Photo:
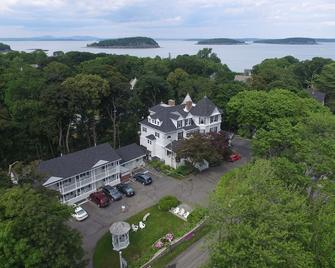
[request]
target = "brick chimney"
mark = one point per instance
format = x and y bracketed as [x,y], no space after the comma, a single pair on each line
[188,106]
[171,102]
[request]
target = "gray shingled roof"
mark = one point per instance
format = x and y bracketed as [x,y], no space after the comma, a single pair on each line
[131,151]
[173,146]
[205,107]
[77,162]
[167,124]
[193,126]
[165,113]
[151,137]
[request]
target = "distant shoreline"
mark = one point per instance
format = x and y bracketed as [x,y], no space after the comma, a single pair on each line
[216,44]
[288,41]
[121,47]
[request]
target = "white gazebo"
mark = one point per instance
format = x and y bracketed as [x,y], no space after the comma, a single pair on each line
[120,235]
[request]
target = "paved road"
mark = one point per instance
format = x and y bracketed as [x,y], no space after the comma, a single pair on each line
[195,256]
[193,190]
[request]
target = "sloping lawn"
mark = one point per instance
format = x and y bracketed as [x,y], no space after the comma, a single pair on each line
[140,249]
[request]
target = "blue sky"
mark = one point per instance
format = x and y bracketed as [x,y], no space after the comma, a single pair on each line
[168,18]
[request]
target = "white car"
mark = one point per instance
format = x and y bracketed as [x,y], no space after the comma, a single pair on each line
[79,214]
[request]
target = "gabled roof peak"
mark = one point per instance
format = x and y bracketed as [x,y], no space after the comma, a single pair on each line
[187,98]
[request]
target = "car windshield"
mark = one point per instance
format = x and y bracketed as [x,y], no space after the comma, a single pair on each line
[128,189]
[80,211]
[114,191]
[145,176]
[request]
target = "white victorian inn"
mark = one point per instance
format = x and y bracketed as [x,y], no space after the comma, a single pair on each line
[169,123]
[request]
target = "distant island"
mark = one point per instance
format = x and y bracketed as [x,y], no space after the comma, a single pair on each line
[4,47]
[220,41]
[289,41]
[325,40]
[128,42]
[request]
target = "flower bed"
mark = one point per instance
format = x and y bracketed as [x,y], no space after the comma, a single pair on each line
[163,241]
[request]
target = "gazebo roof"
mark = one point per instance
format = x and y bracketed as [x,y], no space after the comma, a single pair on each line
[119,228]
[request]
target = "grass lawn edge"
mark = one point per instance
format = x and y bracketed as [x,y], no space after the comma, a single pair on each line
[179,249]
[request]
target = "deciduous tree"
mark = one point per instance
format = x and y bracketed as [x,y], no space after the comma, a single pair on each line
[34,232]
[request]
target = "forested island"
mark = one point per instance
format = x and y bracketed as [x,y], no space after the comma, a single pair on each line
[128,42]
[220,41]
[289,41]
[4,47]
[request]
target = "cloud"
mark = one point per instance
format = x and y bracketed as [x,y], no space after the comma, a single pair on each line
[175,18]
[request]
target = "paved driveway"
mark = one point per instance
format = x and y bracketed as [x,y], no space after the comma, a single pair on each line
[195,256]
[193,190]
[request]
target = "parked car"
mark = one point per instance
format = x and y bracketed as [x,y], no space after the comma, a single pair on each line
[100,199]
[234,157]
[143,178]
[125,189]
[79,214]
[112,192]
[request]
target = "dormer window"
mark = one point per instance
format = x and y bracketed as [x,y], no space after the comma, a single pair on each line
[188,122]
[202,120]
[179,123]
[154,121]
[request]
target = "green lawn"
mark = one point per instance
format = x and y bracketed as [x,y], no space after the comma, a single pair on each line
[140,249]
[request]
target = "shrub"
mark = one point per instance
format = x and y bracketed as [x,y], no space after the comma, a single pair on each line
[185,169]
[168,202]
[197,215]
[178,173]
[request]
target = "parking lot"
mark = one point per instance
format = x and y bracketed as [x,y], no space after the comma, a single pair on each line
[192,190]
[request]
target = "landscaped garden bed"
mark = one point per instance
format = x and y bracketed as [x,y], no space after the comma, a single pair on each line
[178,173]
[142,243]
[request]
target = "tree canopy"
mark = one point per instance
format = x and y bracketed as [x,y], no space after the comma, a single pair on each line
[261,221]
[34,232]
[59,104]
[251,110]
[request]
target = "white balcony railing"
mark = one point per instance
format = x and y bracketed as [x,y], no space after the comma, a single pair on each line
[69,188]
[103,174]
[84,182]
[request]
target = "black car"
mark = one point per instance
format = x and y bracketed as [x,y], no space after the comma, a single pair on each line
[112,192]
[143,178]
[126,189]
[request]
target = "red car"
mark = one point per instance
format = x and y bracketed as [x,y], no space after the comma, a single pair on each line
[100,199]
[234,157]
